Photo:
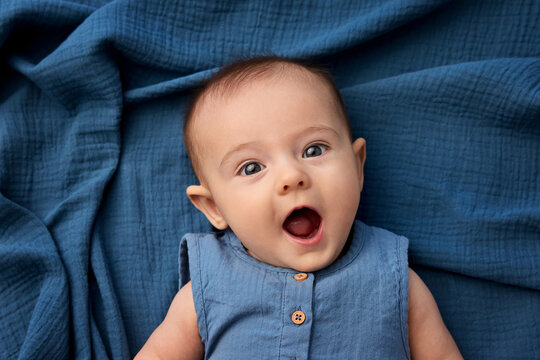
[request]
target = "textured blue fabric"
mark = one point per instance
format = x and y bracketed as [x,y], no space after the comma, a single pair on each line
[356,308]
[93,170]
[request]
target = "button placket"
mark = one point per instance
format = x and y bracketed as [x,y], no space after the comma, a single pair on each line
[297,315]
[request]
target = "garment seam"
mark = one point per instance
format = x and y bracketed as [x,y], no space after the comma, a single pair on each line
[400,294]
[281,316]
[201,287]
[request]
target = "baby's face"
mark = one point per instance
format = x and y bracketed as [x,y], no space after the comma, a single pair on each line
[281,171]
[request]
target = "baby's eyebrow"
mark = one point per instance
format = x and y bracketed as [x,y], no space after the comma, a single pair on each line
[322,129]
[236,149]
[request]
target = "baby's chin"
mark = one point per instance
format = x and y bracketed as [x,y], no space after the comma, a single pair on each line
[310,268]
[306,265]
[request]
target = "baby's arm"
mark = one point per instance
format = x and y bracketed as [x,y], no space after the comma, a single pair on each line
[428,336]
[178,335]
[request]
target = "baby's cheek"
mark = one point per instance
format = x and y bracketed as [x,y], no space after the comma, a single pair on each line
[350,182]
[348,197]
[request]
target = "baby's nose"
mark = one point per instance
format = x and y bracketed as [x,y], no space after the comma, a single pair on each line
[287,187]
[293,179]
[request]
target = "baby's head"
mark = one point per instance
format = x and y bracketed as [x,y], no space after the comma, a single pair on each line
[271,145]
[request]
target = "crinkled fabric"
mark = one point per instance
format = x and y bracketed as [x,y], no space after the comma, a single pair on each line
[93,169]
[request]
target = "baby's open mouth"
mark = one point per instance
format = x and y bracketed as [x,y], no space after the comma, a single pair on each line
[303,223]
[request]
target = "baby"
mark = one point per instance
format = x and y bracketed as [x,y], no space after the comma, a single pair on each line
[292,274]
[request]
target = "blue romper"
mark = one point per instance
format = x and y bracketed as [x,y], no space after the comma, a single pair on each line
[356,308]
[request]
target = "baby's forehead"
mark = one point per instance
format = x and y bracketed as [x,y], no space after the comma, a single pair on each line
[245,103]
[221,94]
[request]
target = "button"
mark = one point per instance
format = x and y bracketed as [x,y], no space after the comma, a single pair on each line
[300,277]
[298,317]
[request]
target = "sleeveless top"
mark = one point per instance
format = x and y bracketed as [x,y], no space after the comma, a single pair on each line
[356,308]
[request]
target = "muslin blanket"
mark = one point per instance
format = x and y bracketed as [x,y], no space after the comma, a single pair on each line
[93,169]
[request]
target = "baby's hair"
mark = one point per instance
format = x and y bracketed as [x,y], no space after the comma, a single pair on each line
[232,77]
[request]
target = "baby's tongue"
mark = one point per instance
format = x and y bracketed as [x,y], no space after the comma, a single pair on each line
[302,222]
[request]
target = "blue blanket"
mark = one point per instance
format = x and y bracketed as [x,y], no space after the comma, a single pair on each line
[93,170]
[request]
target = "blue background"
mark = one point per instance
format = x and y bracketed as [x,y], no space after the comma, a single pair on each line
[93,170]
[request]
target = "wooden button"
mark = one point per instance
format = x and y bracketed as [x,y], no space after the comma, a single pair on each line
[300,277]
[298,317]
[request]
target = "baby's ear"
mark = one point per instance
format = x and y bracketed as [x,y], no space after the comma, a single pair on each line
[202,198]
[359,148]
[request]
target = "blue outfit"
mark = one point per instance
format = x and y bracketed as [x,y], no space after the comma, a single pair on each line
[356,308]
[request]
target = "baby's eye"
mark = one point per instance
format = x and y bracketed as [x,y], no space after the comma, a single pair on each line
[314,150]
[251,168]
